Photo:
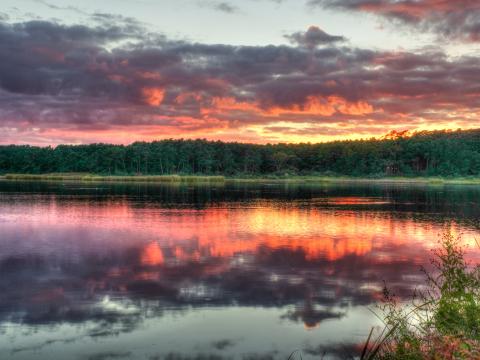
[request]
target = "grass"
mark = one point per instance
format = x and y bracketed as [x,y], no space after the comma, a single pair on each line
[360,180]
[251,180]
[442,321]
[137,178]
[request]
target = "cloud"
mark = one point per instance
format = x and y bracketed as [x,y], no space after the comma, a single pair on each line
[312,317]
[61,83]
[153,277]
[65,8]
[223,344]
[336,351]
[153,96]
[110,355]
[123,273]
[458,19]
[221,6]
[184,268]
[226,7]
[313,37]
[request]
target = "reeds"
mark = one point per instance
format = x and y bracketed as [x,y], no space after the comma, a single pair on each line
[442,322]
[49,177]
[294,179]
[430,181]
[188,179]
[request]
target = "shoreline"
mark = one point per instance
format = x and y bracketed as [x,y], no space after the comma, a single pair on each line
[189,179]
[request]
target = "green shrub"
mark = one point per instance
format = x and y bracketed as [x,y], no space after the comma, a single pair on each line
[442,321]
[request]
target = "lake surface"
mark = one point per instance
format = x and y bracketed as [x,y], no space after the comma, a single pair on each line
[112,271]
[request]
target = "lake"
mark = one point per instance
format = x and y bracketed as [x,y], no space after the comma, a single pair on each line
[146,271]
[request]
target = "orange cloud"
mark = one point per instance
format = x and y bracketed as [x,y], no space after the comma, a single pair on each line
[315,105]
[152,255]
[349,108]
[227,104]
[153,96]
[188,96]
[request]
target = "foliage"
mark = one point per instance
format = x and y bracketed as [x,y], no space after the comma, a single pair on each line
[443,320]
[437,153]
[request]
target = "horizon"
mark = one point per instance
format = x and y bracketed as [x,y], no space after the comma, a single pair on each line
[236,71]
[392,135]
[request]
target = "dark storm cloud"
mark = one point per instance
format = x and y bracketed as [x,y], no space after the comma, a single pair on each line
[45,58]
[459,19]
[313,37]
[116,73]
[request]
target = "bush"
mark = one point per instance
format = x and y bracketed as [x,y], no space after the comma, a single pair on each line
[442,321]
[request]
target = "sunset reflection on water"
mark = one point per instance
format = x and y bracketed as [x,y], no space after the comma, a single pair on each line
[118,265]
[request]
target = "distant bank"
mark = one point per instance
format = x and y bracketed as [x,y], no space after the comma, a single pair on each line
[138,178]
[189,179]
[427,154]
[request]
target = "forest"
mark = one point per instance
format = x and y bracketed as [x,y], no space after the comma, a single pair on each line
[426,153]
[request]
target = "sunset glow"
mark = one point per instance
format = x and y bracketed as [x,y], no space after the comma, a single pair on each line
[103,77]
[318,233]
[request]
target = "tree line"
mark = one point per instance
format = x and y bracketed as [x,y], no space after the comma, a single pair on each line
[426,153]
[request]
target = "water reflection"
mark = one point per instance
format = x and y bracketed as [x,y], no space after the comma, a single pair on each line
[299,265]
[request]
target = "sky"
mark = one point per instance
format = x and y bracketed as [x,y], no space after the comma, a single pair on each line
[261,71]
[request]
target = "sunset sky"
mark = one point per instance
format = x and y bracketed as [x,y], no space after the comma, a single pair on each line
[120,71]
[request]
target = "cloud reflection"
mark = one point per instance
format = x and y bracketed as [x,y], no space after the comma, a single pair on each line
[109,263]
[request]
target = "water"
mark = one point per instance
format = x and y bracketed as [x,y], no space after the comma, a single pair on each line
[111,271]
